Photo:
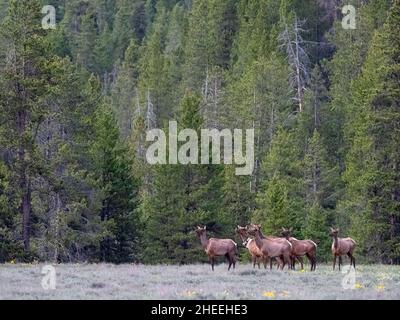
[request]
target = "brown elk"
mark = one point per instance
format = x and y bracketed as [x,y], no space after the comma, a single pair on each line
[217,247]
[271,247]
[341,246]
[250,244]
[301,248]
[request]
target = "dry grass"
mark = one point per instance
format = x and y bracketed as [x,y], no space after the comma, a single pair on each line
[106,281]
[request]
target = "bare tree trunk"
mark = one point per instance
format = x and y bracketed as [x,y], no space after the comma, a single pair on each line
[298,79]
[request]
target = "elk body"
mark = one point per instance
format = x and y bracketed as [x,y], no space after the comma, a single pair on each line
[250,244]
[277,248]
[301,248]
[342,246]
[217,247]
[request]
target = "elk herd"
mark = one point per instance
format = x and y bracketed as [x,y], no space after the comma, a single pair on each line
[285,250]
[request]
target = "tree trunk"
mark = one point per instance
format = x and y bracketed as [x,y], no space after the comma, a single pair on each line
[26,214]
[25,184]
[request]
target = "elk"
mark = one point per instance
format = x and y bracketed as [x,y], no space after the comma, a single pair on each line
[250,244]
[301,248]
[217,247]
[271,247]
[341,246]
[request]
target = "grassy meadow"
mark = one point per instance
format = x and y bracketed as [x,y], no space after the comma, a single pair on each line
[107,281]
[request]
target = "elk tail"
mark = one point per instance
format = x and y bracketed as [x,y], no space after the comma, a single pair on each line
[314,243]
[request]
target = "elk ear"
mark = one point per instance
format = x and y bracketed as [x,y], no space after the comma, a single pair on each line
[205,227]
[337,229]
[291,229]
[283,229]
[332,229]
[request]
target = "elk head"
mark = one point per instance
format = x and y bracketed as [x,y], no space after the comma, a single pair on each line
[200,230]
[286,232]
[334,232]
[252,228]
[242,231]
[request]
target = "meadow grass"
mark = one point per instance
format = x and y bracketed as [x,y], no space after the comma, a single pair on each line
[197,281]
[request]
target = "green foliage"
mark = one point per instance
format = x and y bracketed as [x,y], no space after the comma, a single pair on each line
[372,171]
[117,190]
[76,104]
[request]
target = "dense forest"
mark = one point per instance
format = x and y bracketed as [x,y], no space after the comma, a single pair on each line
[76,103]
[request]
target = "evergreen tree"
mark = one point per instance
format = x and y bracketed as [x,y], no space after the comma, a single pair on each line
[372,173]
[24,91]
[183,196]
[117,191]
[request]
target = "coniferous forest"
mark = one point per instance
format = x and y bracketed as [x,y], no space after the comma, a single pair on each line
[76,103]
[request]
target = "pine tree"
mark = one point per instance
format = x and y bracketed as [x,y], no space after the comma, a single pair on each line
[124,95]
[10,249]
[154,80]
[182,197]
[117,190]
[129,23]
[273,212]
[372,173]
[25,86]
[282,181]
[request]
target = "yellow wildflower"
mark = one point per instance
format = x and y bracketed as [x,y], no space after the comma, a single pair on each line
[269,294]
[358,286]
[189,293]
[380,287]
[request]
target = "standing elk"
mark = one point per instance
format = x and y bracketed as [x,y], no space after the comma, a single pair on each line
[250,244]
[301,248]
[217,247]
[341,246]
[277,248]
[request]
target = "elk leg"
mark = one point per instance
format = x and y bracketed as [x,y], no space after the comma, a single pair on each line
[340,261]
[212,262]
[264,260]
[352,260]
[279,261]
[283,261]
[229,260]
[253,259]
[289,260]
[313,262]
[334,261]
[233,259]
[300,259]
[258,262]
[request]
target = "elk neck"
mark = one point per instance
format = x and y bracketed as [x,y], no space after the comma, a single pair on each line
[258,238]
[335,241]
[242,237]
[204,240]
